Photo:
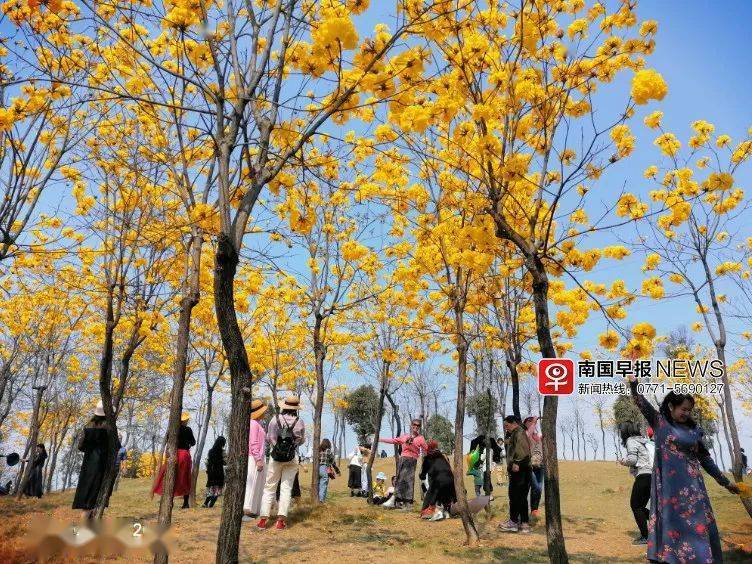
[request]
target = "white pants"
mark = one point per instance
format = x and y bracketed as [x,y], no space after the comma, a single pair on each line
[254,487]
[278,472]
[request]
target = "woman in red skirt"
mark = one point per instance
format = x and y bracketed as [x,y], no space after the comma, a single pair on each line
[183,474]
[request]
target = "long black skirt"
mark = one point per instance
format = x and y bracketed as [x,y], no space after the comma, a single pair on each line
[89,481]
[406,479]
[34,487]
[354,481]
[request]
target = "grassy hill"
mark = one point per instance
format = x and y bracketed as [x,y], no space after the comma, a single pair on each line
[598,525]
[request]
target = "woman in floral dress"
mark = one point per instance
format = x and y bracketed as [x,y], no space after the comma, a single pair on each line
[682,527]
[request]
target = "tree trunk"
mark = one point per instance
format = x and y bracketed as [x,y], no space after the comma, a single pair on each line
[398,430]
[377,428]
[187,303]
[32,443]
[4,378]
[557,552]
[225,266]
[201,442]
[584,444]
[319,351]
[720,346]
[105,392]
[736,454]
[468,524]
[55,450]
[515,387]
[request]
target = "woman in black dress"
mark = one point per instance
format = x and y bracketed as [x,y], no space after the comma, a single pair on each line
[441,493]
[34,485]
[215,472]
[93,443]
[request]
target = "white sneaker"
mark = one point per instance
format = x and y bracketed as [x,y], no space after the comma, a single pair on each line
[437,516]
[524,528]
[509,526]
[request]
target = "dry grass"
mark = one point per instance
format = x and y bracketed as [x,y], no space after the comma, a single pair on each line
[595,500]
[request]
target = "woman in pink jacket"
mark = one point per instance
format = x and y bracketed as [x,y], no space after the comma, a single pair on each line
[254,485]
[412,444]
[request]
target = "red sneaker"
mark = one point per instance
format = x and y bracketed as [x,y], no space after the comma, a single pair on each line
[261,523]
[280,524]
[428,512]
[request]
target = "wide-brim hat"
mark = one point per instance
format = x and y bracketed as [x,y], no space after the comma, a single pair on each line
[291,402]
[381,476]
[185,417]
[258,408]
[99,410]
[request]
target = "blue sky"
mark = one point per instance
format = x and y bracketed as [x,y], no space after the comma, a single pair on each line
[702,52]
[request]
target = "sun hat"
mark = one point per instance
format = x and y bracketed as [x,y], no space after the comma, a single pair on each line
[258,408]
[381,476]
[99,410]
[185,417]
[291,402]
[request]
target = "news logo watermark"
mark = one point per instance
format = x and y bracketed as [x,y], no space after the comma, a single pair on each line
[565,376]
[556,376]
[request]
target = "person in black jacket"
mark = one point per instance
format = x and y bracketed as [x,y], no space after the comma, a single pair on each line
[480,443]
[93,443]
[34,485]
[441,493]
[215,471]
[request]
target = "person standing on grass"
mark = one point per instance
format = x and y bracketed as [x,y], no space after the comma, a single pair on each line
[186,440]
[441,493]
[254,484]
[536,464]
[640,452]
[120,460]
[35,483]
[327,468]
[682,526]
[355,470]
[215,471]
[93,443]
[286,433]
[518,466]
[413,444]
[744,463]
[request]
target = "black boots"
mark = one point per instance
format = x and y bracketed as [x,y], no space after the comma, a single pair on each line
[185,502]
[210,500]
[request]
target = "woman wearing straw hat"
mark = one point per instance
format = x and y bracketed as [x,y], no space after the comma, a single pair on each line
[93,443]
[183,475]
[286,433]
[254,485]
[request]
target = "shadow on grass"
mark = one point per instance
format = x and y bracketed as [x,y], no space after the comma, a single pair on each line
[585,524]
[735,556]
[384,537]
[516,555]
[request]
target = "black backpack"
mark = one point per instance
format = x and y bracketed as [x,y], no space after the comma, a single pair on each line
[284,449]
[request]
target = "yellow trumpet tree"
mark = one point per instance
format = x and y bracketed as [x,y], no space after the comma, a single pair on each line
[41,119]
[690,245]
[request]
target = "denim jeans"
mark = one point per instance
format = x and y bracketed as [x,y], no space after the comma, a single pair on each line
[323,482]
[536,486]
